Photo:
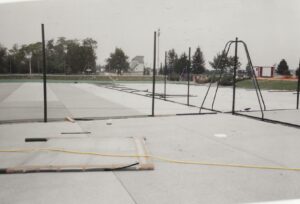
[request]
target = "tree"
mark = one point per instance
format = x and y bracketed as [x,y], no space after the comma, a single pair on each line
[283,68]
[3,60]
[181,64]
[72,56]
[161,71]
[20,60]
[79,57]
[248,70]
[227,62]
[198,63]
[117,62]
[172,60]
[89,47]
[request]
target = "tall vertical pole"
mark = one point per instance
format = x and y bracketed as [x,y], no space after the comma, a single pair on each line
[234,75]
[9,63]
[298,87]
[154,73]
[30,65]
[165,76]
[44,74]
[188,76]
[158,35]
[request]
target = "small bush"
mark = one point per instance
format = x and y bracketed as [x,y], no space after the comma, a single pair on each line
[226,80]
[174,77]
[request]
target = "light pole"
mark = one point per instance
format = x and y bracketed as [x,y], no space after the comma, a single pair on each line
[65,47]
[28,56]
[10,55]
[158,34]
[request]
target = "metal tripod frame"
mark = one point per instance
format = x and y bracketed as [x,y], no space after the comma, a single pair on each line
[222,67]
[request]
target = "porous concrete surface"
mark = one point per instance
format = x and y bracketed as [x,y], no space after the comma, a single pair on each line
[287,116]
[24,101]
[245,98]
[193,138]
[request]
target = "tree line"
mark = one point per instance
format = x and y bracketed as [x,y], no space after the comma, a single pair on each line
[179,64]
[70,56]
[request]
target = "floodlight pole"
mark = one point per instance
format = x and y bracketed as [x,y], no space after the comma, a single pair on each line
[44,74]
[188,76]
[154,72]
[234,75]
[29,66]
[298,87]
[10,64]
[165,76]
[158,35]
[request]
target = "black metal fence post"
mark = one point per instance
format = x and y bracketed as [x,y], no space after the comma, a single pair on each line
[298,87]
[165,76]
[234,75]
[154,73]
[44,74]
[188,76]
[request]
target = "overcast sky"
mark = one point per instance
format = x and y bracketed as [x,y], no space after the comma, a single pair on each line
[269,27]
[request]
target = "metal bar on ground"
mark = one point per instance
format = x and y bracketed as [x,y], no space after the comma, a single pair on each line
[84,132]
[188,76]
[234,75]
[154,73]
[268,120]
[44,74]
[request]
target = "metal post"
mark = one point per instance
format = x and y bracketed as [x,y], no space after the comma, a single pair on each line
[298,87]
[44,74]
[188,76]
[154,73]
[165,76]
[234,75]
[10,63]
[158,35]
[30,65]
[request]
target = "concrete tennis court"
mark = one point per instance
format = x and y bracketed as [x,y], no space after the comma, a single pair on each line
[24,101]
[211,138]
[280,105]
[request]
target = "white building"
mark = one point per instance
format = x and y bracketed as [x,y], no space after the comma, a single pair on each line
[137,65]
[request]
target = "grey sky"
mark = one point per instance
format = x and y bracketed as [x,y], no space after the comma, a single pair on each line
[269,27]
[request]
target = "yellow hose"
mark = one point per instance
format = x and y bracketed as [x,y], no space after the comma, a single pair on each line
[164,159]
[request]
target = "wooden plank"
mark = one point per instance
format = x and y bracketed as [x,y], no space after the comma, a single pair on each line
[68,118]
[145,163]
[65,168]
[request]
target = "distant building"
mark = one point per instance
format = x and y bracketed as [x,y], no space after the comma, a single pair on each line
[137,65]
[267,72]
